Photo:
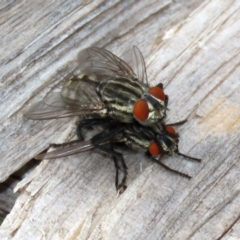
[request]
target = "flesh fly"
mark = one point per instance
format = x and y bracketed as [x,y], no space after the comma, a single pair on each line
[109,87]
[110,93]
[154,142]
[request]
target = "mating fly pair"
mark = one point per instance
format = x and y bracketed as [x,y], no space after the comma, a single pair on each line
[110,93]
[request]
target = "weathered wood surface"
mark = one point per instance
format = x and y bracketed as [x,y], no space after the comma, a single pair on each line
[7,195]
[198,63]
[45,37]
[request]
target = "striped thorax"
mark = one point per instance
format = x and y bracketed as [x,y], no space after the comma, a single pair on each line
[127,99]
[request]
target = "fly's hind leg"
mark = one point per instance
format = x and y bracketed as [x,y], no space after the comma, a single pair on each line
[120,167]
[80,138]
[85,123]
[121,187]
[91,121]
[167,167]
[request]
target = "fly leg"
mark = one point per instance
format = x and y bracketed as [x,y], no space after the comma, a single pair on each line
[119,164]
[177,123]
[106,122]
[91,122]
[122,186]
[79,139]
[60,145]
[188,157]
[109,134]
[166,100]
[172,170]
[160,85]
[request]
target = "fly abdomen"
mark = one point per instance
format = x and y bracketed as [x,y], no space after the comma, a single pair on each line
[80,89]
[136,141]
[79,92]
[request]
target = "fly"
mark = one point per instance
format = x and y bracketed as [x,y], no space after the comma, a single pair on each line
[155,143]
[109,87]
[108,92]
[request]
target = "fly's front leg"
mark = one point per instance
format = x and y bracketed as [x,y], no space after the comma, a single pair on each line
[167,167]
[172,170]
[177,123]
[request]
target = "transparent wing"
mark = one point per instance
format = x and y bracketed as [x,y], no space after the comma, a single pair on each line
[139,66]
[104,64]
[66,151]
[78,147]
[81,90]
[79,96]
[54,106]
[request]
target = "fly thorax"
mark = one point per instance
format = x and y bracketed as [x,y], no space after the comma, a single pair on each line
[137,143]
[120,95]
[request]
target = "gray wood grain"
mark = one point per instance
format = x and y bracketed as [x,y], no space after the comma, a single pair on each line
[197,59]
[39,40]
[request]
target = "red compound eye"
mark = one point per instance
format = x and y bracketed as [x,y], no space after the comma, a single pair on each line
[154,149]
[141,110]
[170,130]
[157,92]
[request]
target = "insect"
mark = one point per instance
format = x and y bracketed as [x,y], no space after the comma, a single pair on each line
[108,92]
[155,143]
[109,87]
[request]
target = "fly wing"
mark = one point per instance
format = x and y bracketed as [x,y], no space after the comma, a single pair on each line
[79,147]
[66,151]
[139,66]
[54,106]
[78,97]
[81,90]
[104,64]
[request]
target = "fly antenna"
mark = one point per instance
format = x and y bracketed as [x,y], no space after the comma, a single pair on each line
[189,157]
